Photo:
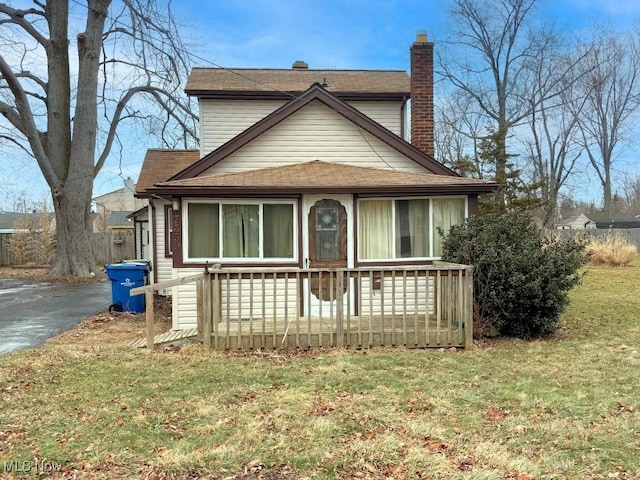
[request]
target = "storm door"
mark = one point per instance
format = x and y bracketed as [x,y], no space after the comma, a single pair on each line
[327,244]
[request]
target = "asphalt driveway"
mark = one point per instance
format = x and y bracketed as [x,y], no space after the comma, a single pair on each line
[31,312]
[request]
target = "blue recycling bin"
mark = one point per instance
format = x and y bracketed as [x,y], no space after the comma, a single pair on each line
[124,277]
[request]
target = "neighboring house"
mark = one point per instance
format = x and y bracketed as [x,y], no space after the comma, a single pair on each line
[9,220]
[112,208]
[14,222]
[575,222]
[119,221]
[619,220]
[304,168]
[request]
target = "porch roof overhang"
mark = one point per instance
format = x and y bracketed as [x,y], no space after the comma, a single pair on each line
[321,177]
[141,211]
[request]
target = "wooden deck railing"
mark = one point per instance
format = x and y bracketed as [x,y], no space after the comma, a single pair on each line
[417,306]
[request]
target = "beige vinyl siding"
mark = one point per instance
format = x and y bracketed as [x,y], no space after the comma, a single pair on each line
[387,114]
[184,305]
[417,293]
[245,299]
[164,267]
[222,120]
[316,132]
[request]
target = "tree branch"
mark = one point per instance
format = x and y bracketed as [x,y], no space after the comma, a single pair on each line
[27,126]
[160,95]
[17,17]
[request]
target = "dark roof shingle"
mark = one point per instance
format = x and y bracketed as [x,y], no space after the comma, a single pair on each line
[204,81]
[161,164]
[320,175]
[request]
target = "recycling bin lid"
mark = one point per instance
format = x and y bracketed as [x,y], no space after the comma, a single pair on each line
[128,266]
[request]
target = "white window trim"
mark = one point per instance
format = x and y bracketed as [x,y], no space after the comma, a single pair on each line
[168,222]
[393,220]
[253,201]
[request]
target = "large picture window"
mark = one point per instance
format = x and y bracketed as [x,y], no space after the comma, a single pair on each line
[405,228]
[240,230]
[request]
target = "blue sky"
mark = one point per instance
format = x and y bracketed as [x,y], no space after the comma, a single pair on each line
[347,34]
[330,34]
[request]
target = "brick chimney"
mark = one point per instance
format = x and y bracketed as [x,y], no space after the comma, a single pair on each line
[422,124]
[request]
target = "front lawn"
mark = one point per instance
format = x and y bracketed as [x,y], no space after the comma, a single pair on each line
[563,408]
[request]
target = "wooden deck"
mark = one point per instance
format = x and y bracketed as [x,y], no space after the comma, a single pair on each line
[249,309]
[356,331]
[247,334]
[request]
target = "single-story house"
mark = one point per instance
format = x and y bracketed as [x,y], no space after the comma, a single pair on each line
[617,220]
[575,222]
[119,221]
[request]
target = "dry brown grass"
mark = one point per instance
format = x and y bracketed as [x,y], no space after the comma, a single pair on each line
[613,250]
[40,273]
[115,329]
[565,407]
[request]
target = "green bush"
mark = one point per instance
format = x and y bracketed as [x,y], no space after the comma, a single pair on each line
[521,277]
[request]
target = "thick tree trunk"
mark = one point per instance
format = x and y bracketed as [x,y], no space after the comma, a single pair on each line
[74,252]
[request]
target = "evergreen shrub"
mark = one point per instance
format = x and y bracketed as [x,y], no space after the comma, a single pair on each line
[521,276]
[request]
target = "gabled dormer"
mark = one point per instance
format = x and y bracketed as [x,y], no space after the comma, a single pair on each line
[232,100]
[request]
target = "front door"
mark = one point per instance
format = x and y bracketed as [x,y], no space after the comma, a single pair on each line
[328,244]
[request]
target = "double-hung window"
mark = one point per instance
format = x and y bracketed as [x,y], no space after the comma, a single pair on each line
[240,231]
[406,228]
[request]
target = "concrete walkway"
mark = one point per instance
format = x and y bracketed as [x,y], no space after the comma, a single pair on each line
[32,312]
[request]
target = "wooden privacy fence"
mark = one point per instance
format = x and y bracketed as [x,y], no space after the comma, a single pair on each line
[417,306]
[113,247]
[108,247]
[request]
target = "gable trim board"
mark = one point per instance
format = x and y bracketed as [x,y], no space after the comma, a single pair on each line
[315,93]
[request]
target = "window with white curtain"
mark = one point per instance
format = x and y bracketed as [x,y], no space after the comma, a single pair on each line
[405,228]
[447,212]
[240,230]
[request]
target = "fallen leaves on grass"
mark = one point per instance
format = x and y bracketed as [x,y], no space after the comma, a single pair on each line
[495,414]
[255,470]
[42,274]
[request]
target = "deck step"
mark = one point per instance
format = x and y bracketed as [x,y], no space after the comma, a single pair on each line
[168,337]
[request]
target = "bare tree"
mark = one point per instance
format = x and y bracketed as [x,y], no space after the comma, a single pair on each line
[491,56]
[553,148]
[611,85]
[127,67]
[631,193]
[459,131]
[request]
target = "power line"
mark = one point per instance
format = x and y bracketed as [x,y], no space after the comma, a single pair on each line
[151,36]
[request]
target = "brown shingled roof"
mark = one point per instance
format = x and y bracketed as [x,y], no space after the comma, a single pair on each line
[319,176]
[209,81]
[161,164]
